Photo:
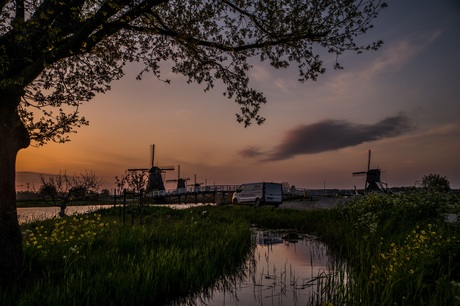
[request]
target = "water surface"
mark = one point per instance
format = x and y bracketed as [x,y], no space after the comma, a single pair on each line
[298,271]
[29,214]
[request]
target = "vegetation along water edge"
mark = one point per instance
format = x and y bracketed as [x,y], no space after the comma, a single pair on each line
[399,248]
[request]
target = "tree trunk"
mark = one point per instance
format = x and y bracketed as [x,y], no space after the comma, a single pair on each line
[13,137]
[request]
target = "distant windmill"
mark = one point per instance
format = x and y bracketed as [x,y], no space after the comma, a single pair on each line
[181,182]
[196,186]
[155,181]
[373,182]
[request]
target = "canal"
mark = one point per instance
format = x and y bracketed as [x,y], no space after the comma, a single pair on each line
[285,269]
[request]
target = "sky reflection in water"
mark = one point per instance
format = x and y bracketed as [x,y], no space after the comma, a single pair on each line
[280,272]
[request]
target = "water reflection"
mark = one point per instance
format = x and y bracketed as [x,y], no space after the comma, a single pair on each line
[285,269]
[29,214]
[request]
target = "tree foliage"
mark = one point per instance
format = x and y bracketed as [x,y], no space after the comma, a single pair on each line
[63,53]
[57,54]
[435,182]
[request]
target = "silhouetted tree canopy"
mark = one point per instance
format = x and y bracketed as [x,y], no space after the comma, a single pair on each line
[62,53]
[435,182]
[57,54]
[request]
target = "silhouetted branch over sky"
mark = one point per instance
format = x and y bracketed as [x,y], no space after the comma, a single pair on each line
[330,135]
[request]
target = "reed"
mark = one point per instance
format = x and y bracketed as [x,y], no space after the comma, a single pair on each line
[398,250]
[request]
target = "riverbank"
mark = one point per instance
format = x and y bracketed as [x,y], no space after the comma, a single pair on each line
[41,212]
[399,249]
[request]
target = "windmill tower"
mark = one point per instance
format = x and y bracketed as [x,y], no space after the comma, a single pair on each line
[373,182]
[155,179]
[181,182]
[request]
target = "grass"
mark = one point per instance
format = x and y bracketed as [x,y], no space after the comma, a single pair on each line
[95,259]
[398,248]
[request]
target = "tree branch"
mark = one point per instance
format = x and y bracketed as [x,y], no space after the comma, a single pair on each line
[285,39]
[19,11]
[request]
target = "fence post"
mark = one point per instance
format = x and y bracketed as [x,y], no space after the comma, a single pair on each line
[141,202]
[114,197]
[124,206]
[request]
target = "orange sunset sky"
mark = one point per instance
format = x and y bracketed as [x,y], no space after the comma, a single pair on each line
[402,102]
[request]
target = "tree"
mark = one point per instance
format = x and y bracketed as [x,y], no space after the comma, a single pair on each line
[61,189]
[132,180]
[56,55]
[285,185]
[435,182]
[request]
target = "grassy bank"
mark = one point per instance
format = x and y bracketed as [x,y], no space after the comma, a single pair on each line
[94,259]
[399,249]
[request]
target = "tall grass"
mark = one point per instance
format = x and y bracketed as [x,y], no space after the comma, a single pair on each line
[94,259]
[399,251]
[400,248]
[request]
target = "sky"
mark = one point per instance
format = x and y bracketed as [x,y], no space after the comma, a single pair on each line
[402,102]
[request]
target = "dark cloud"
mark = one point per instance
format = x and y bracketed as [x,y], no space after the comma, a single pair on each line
[331,135]
[251,152]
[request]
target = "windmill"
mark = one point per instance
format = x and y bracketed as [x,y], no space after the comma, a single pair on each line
[195,185]
[181,182]
[155,180]
[373,182]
